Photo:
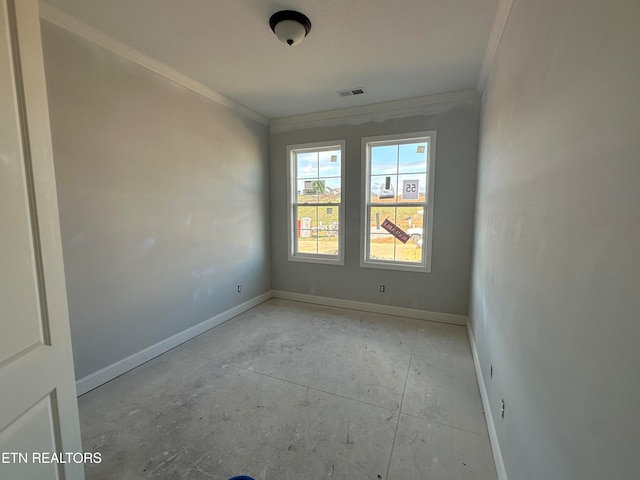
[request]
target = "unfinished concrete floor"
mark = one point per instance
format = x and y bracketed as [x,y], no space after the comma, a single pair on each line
[291,390]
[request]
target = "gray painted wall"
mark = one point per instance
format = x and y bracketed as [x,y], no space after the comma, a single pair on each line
[446,288]
[555,305]
[163,201]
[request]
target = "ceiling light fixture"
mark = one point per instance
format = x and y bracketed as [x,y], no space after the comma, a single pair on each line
[290,26]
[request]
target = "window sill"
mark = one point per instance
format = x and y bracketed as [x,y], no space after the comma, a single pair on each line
[317,259]
[396,266]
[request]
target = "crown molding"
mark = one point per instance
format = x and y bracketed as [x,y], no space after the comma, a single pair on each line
[388,109]
[495,37]
[63,20]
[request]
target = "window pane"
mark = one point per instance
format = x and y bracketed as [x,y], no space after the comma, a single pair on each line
[310,212]
[406,216]
[329,189]
[330,163]
[307,243]
[378,216]
[413,158]
[328,218]
[328,230]
[308,191]
[384,159]
[410,219]
[411,187]
[307,165]
[307,223]
[382,246]
[408,252]
[384,188]
[328,246]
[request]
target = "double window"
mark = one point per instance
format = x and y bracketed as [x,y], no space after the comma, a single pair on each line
[398,201]
[316,215]
[397,215]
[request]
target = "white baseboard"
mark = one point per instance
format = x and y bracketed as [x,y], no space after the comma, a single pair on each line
[373,307]
[116,369]
[493,435]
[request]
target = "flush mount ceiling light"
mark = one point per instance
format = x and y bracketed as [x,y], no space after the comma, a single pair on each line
[290,26]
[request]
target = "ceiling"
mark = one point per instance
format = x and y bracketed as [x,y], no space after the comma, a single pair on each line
[395,49]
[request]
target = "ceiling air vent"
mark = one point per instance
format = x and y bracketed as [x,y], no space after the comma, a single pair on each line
[351,91]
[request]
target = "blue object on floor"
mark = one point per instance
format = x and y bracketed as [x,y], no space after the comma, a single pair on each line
[241,477]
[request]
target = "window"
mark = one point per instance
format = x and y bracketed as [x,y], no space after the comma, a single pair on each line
[316,214]
[398,201]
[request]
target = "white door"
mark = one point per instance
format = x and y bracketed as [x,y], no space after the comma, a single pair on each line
[38,407]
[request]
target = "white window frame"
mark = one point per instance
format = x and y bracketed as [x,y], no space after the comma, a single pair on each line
[427,243]
[292,150]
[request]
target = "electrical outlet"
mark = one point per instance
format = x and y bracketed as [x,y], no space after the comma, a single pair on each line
[239,288]
[381,288]
[502,409]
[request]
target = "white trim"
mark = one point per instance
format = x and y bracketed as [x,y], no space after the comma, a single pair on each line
[317,258]
[425,265]
[120,367]
[63,20]
[373,307]
[292,186]
[495,37]
[493,434]
[394,107]
[116,369]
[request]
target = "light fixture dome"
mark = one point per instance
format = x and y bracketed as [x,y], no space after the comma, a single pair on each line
[290,26]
